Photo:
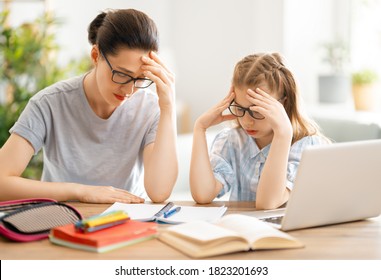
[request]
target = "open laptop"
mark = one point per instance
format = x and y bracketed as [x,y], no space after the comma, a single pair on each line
[334,184]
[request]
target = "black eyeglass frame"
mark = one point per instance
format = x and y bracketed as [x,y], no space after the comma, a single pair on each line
[252,114]
[135,80]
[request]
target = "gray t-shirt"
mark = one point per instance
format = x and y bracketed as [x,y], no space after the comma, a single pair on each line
[83,148]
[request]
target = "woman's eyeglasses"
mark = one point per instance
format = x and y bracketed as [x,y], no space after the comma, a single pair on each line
[240,111]
[123,78]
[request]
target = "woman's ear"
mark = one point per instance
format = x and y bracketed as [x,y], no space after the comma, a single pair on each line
[95,54]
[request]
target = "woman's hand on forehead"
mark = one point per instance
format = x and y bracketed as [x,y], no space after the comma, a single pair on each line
[155,70]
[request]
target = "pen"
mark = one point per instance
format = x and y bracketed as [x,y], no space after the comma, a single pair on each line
[168,206]
[172,212]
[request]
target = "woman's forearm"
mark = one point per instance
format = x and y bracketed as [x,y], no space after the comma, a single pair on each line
[160,160]
[14,187]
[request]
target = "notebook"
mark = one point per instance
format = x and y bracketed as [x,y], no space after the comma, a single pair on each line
[105,240]
[334,184]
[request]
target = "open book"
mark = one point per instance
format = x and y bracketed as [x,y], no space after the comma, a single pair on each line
[146,212]
[232,233]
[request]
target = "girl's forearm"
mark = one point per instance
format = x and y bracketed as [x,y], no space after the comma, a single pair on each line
[203,184]
[272,191]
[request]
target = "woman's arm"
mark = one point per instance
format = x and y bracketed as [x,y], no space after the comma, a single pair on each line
[203,184]
[160,160]
[14,158]
[160,157]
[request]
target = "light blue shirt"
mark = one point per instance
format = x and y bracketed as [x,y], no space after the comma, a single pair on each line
[237,162]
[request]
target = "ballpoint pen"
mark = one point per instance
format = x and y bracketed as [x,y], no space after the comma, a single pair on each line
[163,210]
[172,212]
[156,216]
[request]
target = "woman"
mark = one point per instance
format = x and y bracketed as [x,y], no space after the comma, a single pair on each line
[99,130]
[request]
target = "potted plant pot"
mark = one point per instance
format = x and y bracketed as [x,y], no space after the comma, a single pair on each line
[364,90]
[334,88]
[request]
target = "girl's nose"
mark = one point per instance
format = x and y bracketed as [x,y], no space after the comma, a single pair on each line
[247,118]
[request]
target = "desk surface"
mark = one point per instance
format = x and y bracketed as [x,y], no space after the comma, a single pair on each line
[356,240]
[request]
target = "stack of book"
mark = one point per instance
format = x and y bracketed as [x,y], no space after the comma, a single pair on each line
[104,240]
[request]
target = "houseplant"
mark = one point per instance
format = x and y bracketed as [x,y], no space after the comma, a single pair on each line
[28,58]
[334,87]
[364,89]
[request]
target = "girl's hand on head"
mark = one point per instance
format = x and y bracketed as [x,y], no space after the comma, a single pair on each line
[271,109]
[214,115]
[107,194]
[155,70]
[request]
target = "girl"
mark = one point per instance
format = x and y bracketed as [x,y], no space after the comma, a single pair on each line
[99,130]
[258,160]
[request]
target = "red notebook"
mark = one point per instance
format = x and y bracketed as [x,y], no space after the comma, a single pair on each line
[104,240]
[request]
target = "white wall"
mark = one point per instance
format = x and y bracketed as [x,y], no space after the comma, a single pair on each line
[202,40]
[77,16]
[209,37]
[366,39]
[307,26]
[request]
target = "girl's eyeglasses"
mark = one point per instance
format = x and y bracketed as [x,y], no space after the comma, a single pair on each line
[240,111]
[123,78]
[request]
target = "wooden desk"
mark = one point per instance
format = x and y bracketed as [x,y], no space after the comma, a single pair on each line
[357,240]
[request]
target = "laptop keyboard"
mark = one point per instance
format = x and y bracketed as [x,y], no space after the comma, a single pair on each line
[273,220]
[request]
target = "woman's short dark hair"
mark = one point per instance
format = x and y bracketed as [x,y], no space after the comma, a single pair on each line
[124,28]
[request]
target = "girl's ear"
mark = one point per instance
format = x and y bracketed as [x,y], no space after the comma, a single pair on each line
[95,54]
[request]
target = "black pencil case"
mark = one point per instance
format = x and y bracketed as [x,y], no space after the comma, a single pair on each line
[32,219]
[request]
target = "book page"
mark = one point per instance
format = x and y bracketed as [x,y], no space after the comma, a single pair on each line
[202,231]
[136,211]
[189,213]
[197,249]
[186,214]
[250,228]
